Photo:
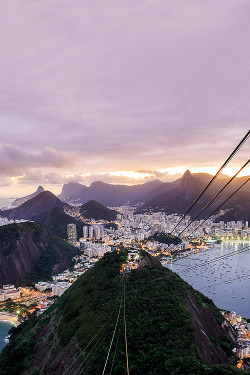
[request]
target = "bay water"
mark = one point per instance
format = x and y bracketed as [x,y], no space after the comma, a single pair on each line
[4,328]
[226,281]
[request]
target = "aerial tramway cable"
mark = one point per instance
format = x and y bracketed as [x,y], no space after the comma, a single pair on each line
[112,339]
[219,206]
[125,329]
[216,195]
[214,177]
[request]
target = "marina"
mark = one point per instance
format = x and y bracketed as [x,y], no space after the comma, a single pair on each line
[226,281]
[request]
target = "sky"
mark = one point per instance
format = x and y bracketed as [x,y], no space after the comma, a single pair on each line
[123,91]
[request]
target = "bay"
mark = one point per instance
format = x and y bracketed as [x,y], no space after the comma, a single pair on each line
[6,202]
[225,281]
[4,328]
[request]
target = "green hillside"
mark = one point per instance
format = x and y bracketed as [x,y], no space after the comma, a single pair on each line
[30,253]
[95,210]
[56,220]
[74,336]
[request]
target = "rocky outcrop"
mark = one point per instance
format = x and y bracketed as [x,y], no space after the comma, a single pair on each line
[16,264]
[206,330]
[148,261]
[24,246]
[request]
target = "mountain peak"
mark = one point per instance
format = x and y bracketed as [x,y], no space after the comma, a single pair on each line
[186,180]
[187,174]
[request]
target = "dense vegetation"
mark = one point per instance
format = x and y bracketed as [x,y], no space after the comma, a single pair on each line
[56,220]
[95,210]
[74,335]
[30,253]
[58,252]
[166,238]
[11,233]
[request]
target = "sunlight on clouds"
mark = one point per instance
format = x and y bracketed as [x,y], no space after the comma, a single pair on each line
[229,171]
[130,174]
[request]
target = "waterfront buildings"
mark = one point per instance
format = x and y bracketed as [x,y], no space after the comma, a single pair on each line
[9,291]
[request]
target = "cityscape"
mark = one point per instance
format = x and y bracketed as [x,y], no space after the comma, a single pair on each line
[134,232]
[124,187]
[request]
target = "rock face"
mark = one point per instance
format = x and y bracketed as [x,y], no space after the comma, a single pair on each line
[29,251]
[19,260]
[71,188]
[207,327]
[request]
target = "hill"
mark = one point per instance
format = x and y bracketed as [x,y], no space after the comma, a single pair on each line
[71,188]
[179,199]
[28,252]
[43,202]
[19,201]
[239,207]
[56,220]
[171,328]
[113,195]
[95,210]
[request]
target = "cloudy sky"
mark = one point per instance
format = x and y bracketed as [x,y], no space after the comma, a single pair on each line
[121,90]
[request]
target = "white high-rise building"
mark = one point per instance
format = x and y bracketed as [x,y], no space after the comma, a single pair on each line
[72,234]
[85,231]
[91,232]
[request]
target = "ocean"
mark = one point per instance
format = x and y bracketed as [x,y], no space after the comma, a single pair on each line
[6,202]
[222,280]
[4,329]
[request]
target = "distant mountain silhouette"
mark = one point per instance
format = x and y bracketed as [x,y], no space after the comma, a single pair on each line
[179,199]
[44,201]
[95,210]
[113,195]
[71,188]
[19,201]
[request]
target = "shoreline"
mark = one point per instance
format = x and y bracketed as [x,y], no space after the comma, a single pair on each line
[9,318]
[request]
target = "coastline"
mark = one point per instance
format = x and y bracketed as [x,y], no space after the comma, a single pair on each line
[10,318]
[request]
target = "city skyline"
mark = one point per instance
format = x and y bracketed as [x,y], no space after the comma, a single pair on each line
[156,89]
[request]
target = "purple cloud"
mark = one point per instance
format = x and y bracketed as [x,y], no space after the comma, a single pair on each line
[14,160]
[157,84]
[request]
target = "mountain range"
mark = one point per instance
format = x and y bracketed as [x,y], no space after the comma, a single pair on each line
[114,195]
[170,327]
[179,199]
[170,197]
[110,195]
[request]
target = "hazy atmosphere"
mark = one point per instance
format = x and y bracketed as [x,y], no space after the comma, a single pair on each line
[121,91]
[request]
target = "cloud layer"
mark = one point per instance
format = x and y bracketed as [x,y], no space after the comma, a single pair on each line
[104,85]
[16,161]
